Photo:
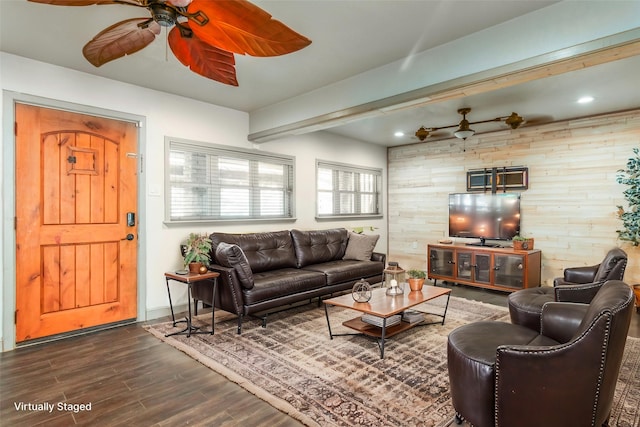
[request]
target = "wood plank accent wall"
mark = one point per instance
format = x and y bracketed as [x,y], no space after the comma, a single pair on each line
[569,208]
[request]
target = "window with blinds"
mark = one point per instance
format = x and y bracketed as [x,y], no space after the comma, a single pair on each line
[206,182]
[347,190]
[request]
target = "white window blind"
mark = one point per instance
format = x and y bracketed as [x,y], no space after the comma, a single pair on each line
[208,182]
[347,190]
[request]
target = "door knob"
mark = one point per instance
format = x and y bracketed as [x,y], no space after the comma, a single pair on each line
[129,237]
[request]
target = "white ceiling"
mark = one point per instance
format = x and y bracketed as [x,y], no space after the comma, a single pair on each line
[348,37]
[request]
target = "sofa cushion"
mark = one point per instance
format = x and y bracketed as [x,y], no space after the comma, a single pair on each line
[341,271]
[318,246]
[278,283]
[360,246]
[230,255]
[264,251]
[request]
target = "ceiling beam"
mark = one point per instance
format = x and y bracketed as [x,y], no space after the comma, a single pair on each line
[608,49]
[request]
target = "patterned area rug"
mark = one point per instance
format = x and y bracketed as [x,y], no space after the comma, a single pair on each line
[293,365]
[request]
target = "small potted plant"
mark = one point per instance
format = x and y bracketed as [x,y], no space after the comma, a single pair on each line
[416,279]
[522,243]
[197,251]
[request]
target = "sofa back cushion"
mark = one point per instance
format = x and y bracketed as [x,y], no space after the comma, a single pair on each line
[264,251]
[318,246]
[360,246]
[230,255]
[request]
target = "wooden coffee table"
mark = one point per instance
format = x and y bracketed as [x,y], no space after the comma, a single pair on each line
[384,306]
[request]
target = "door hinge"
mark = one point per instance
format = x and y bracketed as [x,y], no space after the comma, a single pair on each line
[15,128]
[15,317]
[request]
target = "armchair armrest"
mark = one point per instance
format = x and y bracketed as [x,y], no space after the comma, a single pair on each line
[560,320]
[581,274]
[582,293]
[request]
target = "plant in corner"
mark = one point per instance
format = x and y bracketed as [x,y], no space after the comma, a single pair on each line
[197,251]
[631,215]
[416,279]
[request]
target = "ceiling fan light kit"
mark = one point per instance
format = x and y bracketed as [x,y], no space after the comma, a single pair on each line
[464,130]
[205,34]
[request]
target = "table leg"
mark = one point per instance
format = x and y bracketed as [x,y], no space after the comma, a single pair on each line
[173,317]
[445,308]
[189,319]
[213,304]
[382,335]
[326,314]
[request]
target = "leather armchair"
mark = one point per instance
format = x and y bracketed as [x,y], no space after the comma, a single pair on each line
[503,374]
[611,268]
[578,284]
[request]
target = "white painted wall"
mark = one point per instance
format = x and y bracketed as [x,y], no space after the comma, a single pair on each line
[164,115]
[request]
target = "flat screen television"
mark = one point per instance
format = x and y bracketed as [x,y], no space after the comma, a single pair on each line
[484,216]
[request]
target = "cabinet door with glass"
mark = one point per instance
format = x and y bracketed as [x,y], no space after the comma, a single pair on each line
[509,271]
[472,266]
[441,262]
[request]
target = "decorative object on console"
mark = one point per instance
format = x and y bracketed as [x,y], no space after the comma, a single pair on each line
[361,291]
[631,216]
[416,279]
[204,37]
[464,131]
[522,243]
[196,252]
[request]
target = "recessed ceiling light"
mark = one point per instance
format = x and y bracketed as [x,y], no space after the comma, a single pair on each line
[399,133]
[585,100]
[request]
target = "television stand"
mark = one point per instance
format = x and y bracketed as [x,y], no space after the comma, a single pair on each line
[503,269]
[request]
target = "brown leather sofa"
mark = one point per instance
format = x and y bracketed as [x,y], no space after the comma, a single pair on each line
[578,284]
[503,374]
[261,272]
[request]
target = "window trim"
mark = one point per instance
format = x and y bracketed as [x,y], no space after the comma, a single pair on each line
[377,172]
[234,152]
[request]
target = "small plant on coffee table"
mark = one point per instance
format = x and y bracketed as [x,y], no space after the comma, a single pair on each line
[416,279]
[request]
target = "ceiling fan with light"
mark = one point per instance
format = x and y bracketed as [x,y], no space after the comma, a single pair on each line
[464,131]
[204,37]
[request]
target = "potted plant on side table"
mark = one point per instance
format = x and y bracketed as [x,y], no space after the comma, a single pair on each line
[416,279]
[196,252]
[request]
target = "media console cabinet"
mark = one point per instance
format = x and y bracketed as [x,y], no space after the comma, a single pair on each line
[504,269]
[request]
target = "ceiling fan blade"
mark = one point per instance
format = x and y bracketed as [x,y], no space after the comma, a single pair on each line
[123,38]
[202,58]
[240,27]
[90,2]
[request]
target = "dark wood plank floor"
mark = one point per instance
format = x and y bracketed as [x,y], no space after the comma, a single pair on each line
[133,379]
[130,378]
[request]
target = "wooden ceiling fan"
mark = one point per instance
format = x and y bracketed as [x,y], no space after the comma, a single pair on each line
[204,37]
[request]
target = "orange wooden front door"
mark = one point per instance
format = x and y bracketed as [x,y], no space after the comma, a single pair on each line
[75,185]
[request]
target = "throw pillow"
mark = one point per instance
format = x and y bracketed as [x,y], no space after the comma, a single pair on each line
[232,256]
[360,246]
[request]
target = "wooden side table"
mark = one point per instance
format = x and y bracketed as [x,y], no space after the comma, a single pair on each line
[189,279]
